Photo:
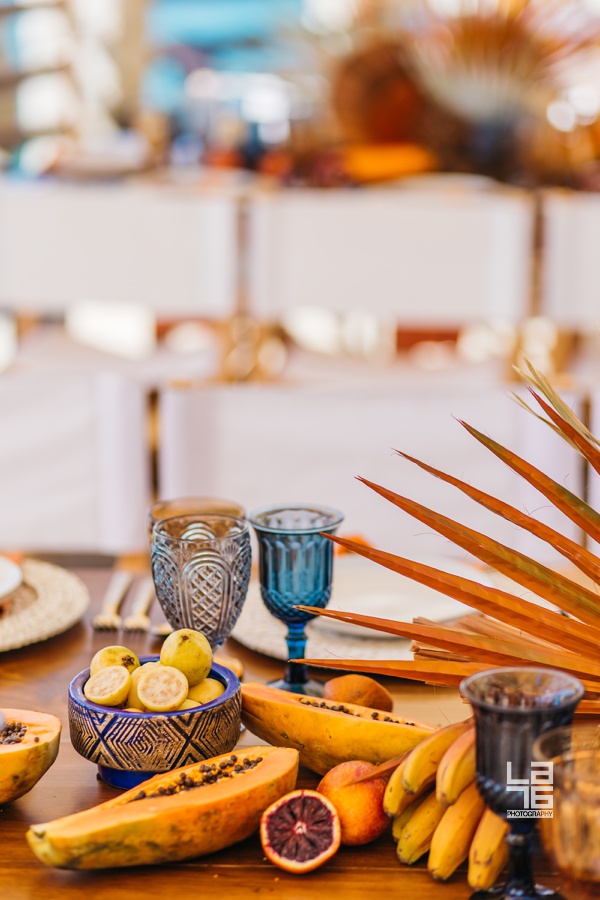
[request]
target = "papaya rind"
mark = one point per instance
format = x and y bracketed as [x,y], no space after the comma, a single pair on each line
[156,830]
[23,764]
[324,738]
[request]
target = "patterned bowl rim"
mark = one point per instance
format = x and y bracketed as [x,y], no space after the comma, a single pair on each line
[221,673]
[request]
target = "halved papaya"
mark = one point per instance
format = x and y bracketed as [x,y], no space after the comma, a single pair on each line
[324,732]
[188,812]
[28,746]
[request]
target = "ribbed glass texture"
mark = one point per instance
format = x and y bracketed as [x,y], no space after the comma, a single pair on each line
[296,567]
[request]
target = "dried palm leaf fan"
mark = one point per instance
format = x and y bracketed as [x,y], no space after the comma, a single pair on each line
[512,630]
[497,59]
[504,65]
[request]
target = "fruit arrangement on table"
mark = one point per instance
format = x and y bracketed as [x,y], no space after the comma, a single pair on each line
[431,796]
[379,771]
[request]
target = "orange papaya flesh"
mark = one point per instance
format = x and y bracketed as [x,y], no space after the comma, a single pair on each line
[29,745]
[327,733]
[187,812]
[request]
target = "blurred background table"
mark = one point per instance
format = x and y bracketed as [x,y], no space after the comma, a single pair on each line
[37,677]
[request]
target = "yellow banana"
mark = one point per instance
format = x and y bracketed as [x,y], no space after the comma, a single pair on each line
[489,851]
[452,838]
[401,820]
[396,799]
[420,766]
[416,837]
[456,769]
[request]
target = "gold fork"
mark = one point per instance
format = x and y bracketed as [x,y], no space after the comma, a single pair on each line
[108,618]
[138,619]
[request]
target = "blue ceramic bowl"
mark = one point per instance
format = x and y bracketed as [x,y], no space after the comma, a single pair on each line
[130,747]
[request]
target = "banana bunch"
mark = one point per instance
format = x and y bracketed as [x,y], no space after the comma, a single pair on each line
[436,808]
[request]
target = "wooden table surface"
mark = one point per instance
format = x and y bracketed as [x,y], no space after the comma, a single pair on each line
[37,677]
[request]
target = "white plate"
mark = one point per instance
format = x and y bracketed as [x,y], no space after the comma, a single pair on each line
[362,586]
[11,577]
[258,630]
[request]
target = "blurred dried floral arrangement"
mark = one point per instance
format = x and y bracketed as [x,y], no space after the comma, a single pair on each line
[508,88]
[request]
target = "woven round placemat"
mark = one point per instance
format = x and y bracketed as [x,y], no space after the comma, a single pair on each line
[258,630]
[49,601]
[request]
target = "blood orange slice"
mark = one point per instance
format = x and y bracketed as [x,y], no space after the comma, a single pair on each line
[300,831]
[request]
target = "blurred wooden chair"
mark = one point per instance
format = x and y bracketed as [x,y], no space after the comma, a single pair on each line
[413,258]
[569,283]
[262,444]
[570,275]
[74,465]
[170,248]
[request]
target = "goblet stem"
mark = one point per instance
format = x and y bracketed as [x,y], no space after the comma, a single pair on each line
[296,677]
[296,674]
[520,875]
[519,884]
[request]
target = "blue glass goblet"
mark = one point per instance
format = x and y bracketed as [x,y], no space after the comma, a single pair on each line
[296,567]
[512,707]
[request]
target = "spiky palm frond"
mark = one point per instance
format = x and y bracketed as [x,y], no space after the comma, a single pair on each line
[512,630]
[539,384]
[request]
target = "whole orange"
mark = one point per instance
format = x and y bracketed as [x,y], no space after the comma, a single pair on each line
[358,689]
[359,806]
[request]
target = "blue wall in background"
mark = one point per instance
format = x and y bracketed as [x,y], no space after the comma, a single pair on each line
[230,35]
[204,23]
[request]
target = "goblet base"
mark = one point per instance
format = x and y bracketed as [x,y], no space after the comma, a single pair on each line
[516,892]
[311,688]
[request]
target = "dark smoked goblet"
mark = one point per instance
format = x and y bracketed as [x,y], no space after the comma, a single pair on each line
[512,707]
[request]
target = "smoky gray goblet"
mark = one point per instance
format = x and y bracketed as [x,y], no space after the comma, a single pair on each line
[512,707]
